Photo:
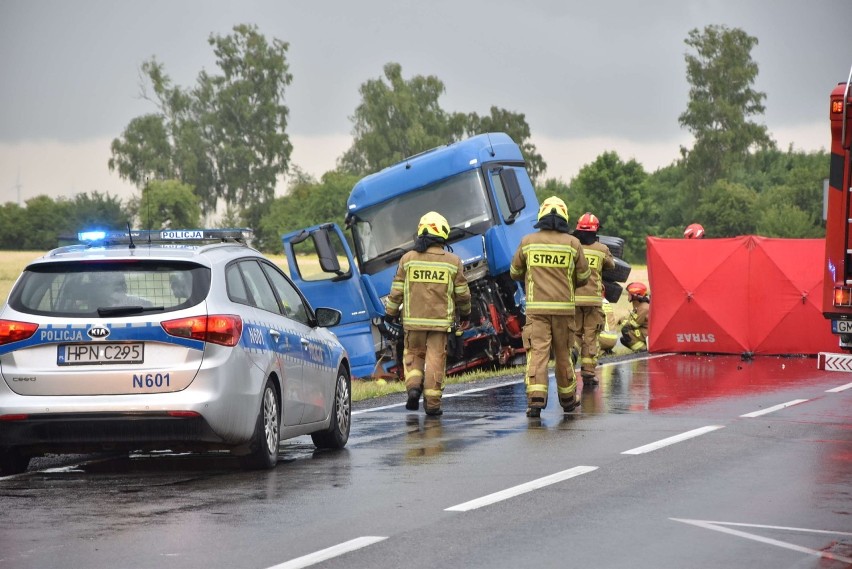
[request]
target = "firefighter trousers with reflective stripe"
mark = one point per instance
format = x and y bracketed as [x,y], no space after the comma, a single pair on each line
[542,333]
[588,324]
[424,359]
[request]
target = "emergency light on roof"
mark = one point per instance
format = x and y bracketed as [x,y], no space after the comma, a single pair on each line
[240,235]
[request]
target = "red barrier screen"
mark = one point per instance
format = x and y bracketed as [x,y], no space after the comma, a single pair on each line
[744,294]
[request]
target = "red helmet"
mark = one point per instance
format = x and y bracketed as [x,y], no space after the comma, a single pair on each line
[637,289]
[694,231]
[588,222]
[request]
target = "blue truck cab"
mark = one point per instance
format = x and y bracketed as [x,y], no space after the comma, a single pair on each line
[483,189]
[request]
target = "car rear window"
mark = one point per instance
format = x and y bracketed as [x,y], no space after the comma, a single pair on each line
[81,288]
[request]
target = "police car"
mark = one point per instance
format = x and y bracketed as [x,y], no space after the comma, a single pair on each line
[179,339]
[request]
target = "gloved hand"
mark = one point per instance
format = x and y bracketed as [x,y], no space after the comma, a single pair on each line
[464,324]
[388,318]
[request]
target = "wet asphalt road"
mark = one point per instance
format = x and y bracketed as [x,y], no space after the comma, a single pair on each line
[672,462]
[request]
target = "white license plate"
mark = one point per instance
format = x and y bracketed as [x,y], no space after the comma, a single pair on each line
[841,326]
[98,353]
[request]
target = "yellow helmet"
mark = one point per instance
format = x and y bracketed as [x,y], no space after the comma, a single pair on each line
[553,205]
[435,224]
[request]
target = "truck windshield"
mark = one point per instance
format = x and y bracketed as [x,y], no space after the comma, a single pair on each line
[462,199]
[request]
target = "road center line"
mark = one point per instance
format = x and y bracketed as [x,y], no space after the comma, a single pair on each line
[672,440]
[521,489]
[839,389]
[329,552]
[774,408]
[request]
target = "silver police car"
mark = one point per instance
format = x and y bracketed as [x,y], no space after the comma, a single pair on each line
[174,339]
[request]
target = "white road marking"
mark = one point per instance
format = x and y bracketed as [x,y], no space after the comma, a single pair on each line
[839,389]
[774,408]
[672,440]
[715,526]
[521,489]
[328,553]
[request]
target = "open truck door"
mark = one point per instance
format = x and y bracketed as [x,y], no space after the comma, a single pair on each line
[320,262]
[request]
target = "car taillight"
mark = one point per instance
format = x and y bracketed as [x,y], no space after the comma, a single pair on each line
[224,329]
[12,331]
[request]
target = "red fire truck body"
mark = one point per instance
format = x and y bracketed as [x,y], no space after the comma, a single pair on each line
[837,277]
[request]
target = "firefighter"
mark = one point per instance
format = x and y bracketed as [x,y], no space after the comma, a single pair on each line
[429,286]
[551,263]
[589,317]
[693,231]
[634,330]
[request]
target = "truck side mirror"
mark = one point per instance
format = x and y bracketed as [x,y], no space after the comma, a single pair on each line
[328,260]
[512,190]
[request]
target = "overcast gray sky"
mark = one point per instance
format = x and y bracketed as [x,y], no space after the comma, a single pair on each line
[589,76]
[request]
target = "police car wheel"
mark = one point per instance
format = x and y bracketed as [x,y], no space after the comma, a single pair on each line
[13,462]
[267,433]
[341,415]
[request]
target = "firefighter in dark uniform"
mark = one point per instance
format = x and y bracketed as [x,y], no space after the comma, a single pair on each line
[589,316]
[634,330]
[551,263]
[428,288]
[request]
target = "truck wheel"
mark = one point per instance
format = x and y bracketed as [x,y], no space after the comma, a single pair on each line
[12,461]
[614,244]
[263,453]
[341,415]
[612,291]
[619,274]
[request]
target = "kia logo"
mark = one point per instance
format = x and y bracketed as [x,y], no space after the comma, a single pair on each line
[98,332]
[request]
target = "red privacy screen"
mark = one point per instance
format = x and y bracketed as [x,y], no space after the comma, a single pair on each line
[743,294]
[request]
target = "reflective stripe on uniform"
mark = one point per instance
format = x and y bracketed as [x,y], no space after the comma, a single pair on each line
[432,393]
[536,388]
[440,322]
[554,305]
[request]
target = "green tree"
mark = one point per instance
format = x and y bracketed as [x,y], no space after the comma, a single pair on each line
[721,104]
[307,203]
[727,209]
[615,191]
[226,137]
[515,125]
[43,221]
[95,209]
[398,118]
[786,220]
[166,204]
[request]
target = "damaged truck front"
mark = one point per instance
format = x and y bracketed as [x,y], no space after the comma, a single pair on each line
[483,189]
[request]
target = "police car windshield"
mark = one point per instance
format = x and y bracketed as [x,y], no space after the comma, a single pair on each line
[462,199]
[82,289]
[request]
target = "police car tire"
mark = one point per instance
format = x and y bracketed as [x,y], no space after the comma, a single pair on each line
[267,432]
[619,274]
[337,433]
[12,461]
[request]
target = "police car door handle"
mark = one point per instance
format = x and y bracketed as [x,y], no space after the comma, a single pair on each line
[276,335]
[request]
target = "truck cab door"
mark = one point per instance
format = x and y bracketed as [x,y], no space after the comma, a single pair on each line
[321,264]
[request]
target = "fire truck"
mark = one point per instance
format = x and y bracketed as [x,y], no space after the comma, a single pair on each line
[837,277]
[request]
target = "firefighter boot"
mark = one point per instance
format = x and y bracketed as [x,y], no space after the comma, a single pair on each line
[570,403]
[533,412]
[413,403]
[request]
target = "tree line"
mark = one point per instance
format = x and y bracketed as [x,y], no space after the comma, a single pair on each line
[219,148]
